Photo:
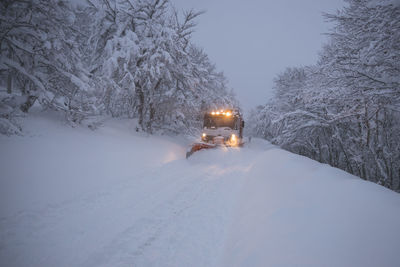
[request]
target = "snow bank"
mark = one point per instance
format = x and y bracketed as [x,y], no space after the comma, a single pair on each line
[294,211]
[56,163]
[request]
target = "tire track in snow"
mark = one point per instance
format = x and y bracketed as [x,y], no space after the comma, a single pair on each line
[51,221]
[200,205]
[132,242]
[153,217]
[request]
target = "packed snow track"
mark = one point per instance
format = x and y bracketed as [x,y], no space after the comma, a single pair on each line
[112,197]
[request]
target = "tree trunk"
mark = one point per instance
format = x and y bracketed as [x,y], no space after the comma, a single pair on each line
[9,82]
[28,103]
[140,95]
[151,118]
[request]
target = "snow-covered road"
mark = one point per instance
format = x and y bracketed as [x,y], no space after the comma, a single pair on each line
[73,197]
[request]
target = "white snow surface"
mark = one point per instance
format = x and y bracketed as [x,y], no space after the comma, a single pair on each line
[113,197]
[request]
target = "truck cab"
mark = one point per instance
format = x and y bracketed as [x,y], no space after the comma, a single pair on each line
[223,127]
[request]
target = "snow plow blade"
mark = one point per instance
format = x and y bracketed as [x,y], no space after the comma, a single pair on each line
[198,146]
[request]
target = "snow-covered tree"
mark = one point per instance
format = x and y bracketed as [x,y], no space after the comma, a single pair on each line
[150,68]
[345,109]
[129,58]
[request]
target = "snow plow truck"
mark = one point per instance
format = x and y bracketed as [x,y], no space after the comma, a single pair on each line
[220,128]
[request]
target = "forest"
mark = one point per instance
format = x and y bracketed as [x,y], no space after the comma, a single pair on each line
[119,58]
[345,109]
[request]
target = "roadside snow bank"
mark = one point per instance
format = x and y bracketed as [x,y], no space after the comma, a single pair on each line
[55,163]
[294,211]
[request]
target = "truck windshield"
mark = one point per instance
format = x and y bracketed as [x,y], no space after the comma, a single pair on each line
[219,121]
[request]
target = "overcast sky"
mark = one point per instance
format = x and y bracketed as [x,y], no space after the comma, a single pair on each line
[252,41]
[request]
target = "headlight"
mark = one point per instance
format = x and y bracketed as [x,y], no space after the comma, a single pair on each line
[233,141]
[204,135]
